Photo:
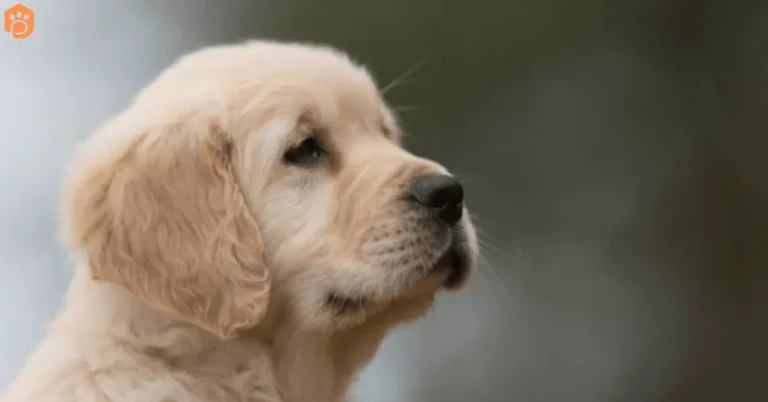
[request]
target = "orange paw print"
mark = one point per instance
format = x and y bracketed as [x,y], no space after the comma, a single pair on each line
[19,21]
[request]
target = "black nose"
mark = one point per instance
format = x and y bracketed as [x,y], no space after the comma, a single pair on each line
[440,193]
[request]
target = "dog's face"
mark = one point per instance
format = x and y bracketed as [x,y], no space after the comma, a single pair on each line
[266,174]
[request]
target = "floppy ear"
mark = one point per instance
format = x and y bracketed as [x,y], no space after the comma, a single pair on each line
[164,217]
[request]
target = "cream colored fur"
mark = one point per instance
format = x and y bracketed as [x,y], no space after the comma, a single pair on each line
[204,261]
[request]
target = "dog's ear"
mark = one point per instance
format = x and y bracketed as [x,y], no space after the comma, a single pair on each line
[161,214]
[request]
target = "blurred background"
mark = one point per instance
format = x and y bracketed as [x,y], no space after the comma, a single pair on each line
[615,153]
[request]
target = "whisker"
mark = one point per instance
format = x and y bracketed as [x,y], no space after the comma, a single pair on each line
[478,218]
[495,281]
[405,108]
[486,239]
[400,79]
[516,255]
[466,178]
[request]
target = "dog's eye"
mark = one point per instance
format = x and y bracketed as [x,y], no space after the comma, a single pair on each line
[308,152]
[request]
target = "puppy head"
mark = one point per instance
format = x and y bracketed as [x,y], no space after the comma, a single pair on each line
[265,176]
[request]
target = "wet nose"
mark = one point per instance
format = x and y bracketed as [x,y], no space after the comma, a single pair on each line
[440,193]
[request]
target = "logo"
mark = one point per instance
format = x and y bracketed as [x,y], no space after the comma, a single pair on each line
[19,21]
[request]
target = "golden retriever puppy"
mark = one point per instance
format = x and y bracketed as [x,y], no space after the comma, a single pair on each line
[248,229]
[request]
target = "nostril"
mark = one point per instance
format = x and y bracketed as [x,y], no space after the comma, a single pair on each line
[440,192]
[451,213]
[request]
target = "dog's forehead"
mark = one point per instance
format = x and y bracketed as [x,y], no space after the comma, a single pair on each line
[307,70]
[322,81]
[259,78]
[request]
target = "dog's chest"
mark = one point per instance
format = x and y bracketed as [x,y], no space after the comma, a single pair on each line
[237,373]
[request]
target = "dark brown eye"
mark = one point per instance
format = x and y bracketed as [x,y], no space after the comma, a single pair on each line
[309,152]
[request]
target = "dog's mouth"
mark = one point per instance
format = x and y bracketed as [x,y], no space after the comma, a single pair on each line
[453,266]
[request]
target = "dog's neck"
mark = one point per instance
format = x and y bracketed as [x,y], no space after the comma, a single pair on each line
[316,366]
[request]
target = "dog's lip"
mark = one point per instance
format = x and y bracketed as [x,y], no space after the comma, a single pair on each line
[453,266]
[455,263]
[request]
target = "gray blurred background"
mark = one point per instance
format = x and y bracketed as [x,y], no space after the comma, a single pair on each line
[613,150]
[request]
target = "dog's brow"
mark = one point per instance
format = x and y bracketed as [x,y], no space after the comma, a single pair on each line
[306,126]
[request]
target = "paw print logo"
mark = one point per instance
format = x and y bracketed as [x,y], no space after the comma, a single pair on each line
[19,21]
